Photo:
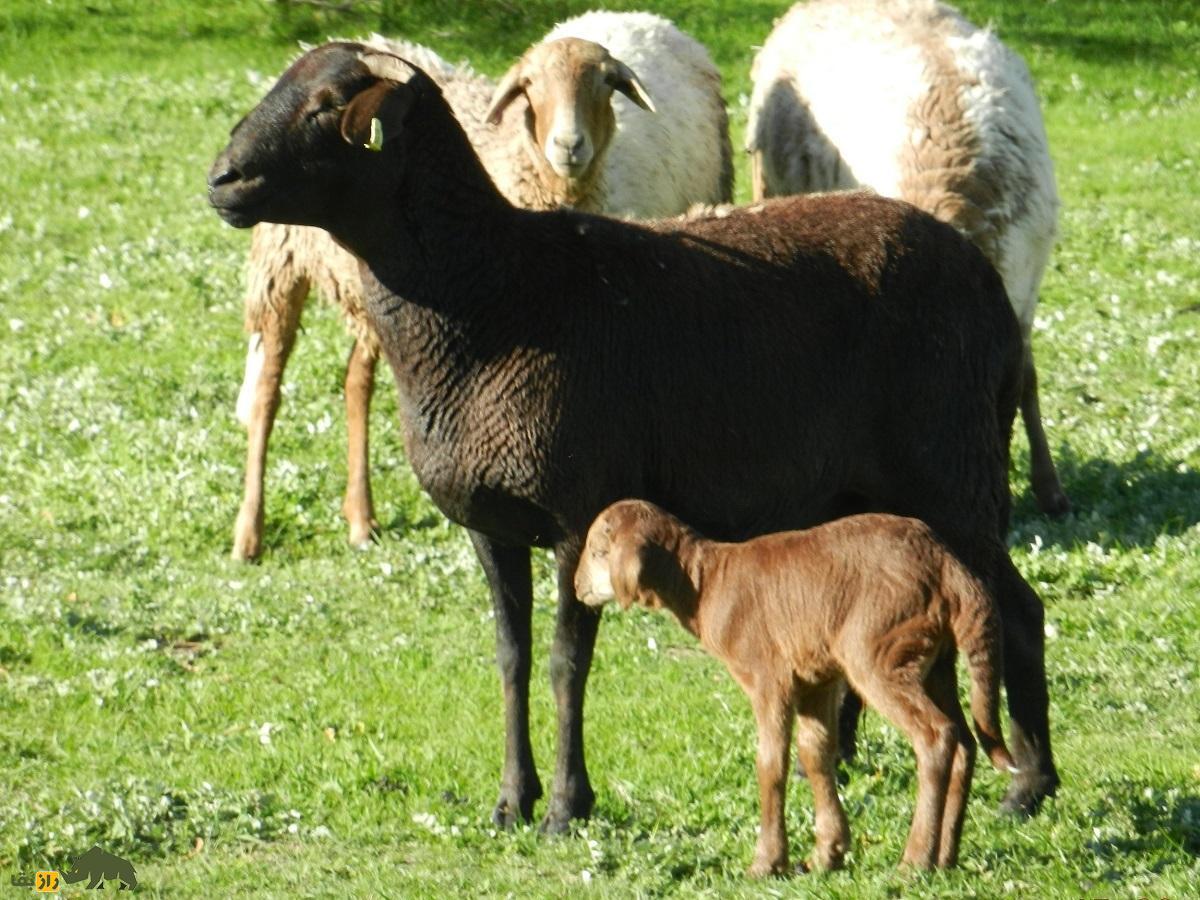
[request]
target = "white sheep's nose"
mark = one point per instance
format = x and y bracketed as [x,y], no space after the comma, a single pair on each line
[568,153]
[572,148]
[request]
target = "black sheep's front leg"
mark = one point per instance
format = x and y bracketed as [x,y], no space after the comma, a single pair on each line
[570,659]
[508,574]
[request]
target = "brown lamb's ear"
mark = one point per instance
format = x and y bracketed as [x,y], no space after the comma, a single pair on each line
[511,86]
[661,573]
[622,78]
[624,571]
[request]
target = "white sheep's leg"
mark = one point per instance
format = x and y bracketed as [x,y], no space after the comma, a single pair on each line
[1051,498]
[758,181]
[358,507]
[277,336]
[254,363]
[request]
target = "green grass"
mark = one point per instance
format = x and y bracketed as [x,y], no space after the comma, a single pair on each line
[329,721]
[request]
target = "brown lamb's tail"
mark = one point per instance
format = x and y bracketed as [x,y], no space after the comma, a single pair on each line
[976,627]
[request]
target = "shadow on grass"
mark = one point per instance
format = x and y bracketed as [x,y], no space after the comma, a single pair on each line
[1158,825]
[1123,503]
[89,624]
[1101,49]
[401,524]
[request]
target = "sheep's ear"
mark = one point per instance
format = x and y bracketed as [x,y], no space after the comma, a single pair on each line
[379,108]
[511,86]
[622,78]
[660,571]
[625,572]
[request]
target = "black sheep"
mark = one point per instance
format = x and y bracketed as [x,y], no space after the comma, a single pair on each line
[752,370]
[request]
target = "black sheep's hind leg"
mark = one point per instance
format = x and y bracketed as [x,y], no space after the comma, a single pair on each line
[848,716]
[1022,619]
[574,641]
[510,580]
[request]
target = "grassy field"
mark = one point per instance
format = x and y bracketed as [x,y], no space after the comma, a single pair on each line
[328,722]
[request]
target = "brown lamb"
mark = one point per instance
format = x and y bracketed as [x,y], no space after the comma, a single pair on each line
[874,601]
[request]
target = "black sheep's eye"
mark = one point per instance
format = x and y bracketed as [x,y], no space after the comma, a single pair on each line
[326,106]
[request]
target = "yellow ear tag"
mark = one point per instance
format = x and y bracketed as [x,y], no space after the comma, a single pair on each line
[376,142]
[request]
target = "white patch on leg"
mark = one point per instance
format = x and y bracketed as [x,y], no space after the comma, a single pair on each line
[254,364]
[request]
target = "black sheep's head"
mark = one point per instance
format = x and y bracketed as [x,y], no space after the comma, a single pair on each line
[330,127]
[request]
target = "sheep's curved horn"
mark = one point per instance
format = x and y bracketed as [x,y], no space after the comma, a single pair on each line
[623,79]
[389,67]
[511,86]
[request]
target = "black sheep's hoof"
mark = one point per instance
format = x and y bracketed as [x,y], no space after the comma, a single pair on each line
[563,812]
[555,824]
[1052,500]
[1026,795]
[510,813]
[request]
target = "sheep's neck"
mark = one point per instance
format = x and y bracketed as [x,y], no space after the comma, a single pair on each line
[435,234]
[683,600]
[439,261]
[719,615]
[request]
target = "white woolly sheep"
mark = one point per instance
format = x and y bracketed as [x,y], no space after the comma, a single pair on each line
[639,165]
[910,99]
[656,165]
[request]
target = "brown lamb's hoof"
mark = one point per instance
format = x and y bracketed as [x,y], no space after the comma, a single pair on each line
[767,869]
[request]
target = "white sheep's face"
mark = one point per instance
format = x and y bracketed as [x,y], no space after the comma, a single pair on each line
[569,85]
[570,102]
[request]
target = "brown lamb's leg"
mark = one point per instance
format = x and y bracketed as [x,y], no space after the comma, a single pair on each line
[899,695]
[774,715]
[944,692]
[816,746]
[278,335]
[358,507]
[1047,489]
